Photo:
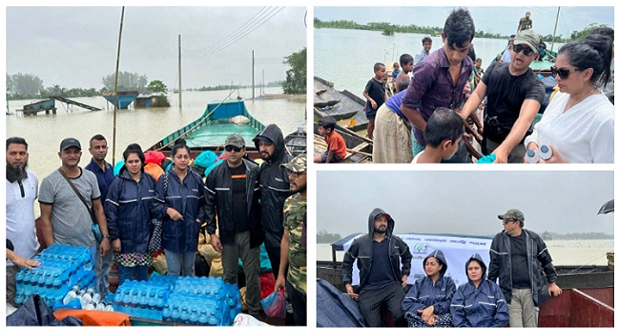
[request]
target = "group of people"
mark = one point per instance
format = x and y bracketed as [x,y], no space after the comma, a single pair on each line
[502,101]
[519,259]
[241,205]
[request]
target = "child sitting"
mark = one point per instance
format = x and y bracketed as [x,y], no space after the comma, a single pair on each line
[443,133]
[336,147]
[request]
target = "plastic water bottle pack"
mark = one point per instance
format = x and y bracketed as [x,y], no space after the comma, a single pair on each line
[142,299]
[62,267]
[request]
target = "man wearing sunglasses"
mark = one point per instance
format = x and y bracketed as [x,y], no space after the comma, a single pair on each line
[232,192]
[514,96]
[521,261]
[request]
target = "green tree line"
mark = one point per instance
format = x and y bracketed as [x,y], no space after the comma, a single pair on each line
[389,29]
[323,236]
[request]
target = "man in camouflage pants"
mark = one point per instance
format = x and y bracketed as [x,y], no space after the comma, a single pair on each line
[293,245]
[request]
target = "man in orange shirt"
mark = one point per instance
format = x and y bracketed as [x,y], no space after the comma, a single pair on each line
[336,147]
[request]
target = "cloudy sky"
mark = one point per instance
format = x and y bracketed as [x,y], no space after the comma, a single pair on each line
[77,46]
[503,20]
[464,202]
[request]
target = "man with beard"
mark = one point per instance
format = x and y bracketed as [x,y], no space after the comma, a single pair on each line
[382,280]
[274,185]
[293,244]
[66,220]
[21,191]
[232,193]
[104,172]
[514,95]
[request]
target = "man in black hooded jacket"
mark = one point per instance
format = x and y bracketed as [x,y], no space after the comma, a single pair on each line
[382,281]
[275,188]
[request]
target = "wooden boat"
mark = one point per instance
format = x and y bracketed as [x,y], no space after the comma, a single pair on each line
[359,149]
[209,132]
[125,98]
[342,105]
[295,143]
[587,299]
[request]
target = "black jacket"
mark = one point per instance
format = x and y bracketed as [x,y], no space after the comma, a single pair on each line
[361,249]
[274,185]
[539,260]
[219,193]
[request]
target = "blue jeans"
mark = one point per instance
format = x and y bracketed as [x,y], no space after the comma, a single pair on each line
[124,273]
[102,271]
[173,261]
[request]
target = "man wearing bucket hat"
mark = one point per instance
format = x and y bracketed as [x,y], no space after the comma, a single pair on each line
[293,243]
[232,193]
[514,96]
[521,261]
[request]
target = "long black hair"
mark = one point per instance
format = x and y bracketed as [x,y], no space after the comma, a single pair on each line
[592,52]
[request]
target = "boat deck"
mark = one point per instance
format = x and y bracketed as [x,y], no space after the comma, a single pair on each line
[214,133]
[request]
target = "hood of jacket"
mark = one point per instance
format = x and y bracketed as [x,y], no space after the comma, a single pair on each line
[373,216]
[440,256]
[482,265]
[274,134]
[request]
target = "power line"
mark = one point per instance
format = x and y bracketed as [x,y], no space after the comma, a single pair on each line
[233,38]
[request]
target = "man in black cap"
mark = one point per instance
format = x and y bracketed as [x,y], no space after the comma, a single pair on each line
[232,192]
[274,186]
[66,220]
[514,97]
[521,261]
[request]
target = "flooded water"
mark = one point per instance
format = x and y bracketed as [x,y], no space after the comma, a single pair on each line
[143,126]
[563,252]
[346,57]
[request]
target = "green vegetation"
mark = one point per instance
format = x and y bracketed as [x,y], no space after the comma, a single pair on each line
[323,236]
[127,81]
[157,86]
[296,76]
[389,29]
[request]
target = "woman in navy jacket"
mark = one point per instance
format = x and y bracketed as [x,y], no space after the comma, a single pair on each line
[180,193]
[427,303]
[479,302]
[128,213]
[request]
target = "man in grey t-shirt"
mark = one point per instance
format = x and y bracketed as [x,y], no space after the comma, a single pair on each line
[65,218]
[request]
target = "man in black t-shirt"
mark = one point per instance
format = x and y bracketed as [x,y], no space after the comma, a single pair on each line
[232,193]
[521,261]
[514,96]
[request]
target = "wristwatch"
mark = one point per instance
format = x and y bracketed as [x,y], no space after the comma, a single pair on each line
[106,236]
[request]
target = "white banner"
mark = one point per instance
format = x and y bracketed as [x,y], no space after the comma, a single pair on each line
[457,250]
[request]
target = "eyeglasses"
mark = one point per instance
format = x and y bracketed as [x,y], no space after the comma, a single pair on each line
[295,174]
[563,72]
[231,148]
[526,50]
[509,220]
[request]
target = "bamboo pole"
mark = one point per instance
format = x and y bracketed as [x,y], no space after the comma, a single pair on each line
[118,54]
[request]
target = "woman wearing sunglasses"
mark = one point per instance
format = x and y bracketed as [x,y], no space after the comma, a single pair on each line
[180,193]
[578,124]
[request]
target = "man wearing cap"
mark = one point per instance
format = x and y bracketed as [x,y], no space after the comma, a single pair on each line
[274,186]
[382,280]
[232,192]
[521,261]
[65,218]
[525,23]
[514,95]
[293,243]
[98,148]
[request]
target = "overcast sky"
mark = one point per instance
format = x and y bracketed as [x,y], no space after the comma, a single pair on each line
[77,46]
[464,202]
[503,20]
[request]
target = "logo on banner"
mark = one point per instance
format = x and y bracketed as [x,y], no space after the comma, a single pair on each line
[420,248]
